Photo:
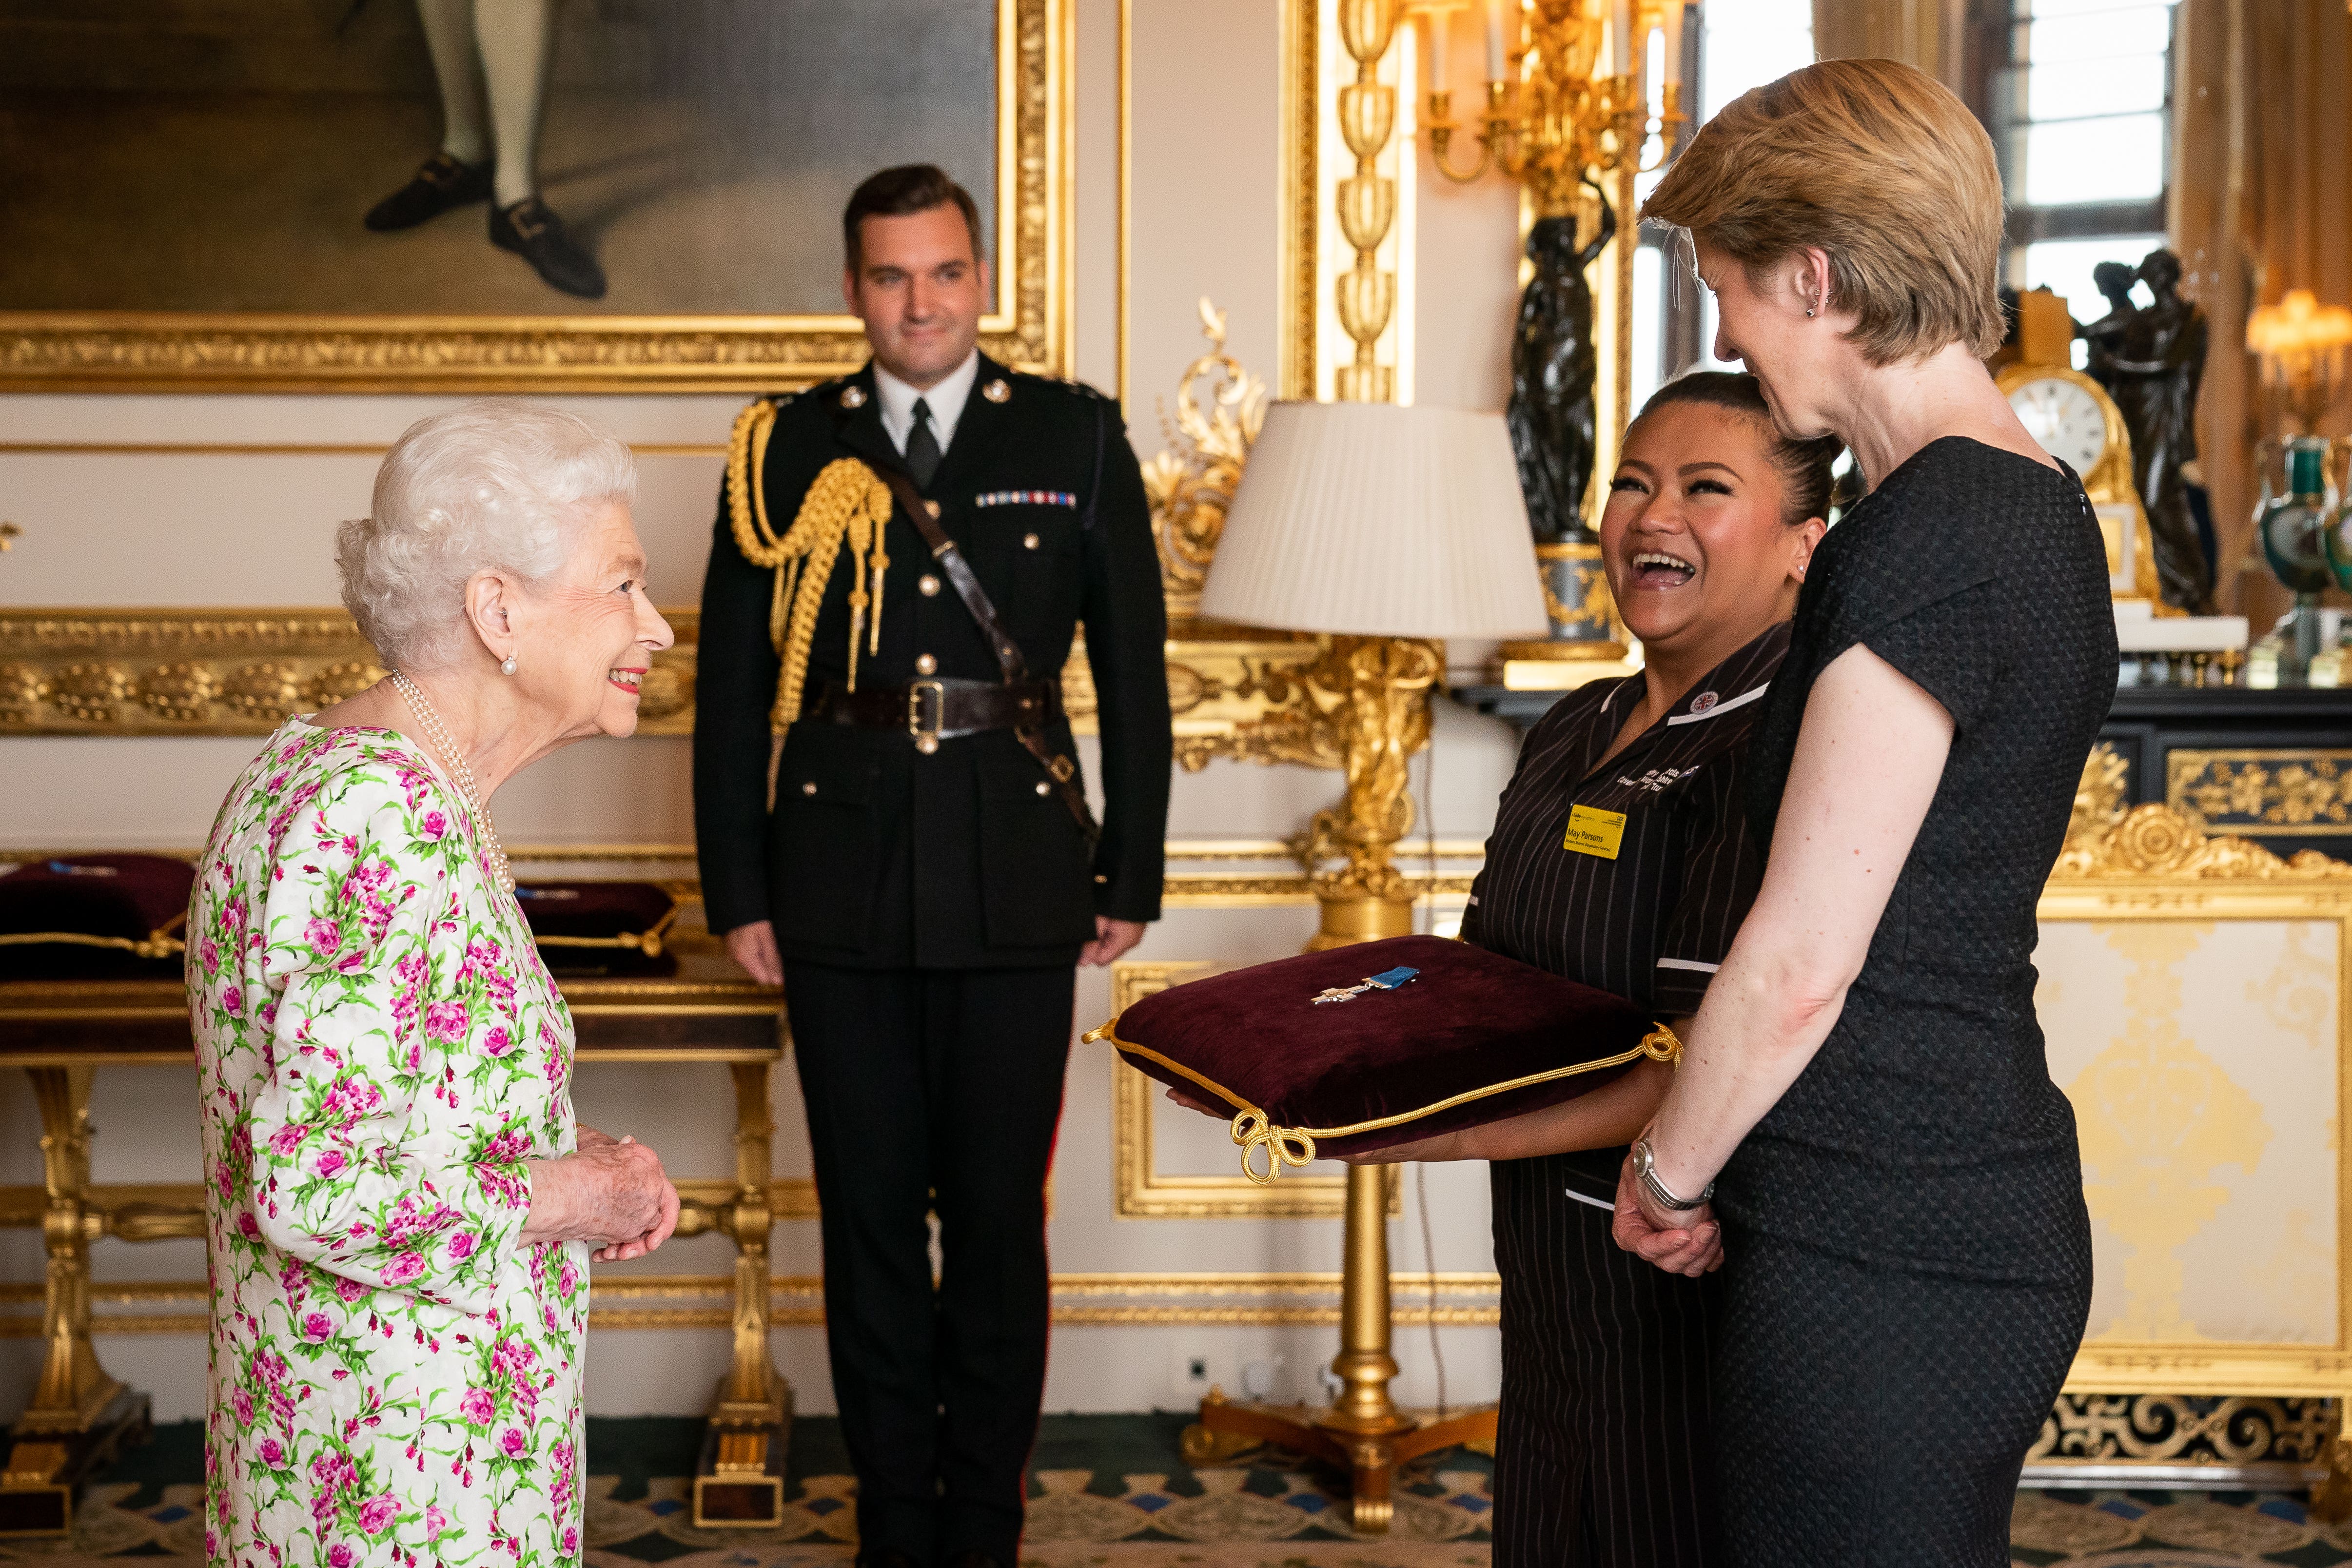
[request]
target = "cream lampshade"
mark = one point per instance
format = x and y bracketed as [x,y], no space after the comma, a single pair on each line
[1369,520]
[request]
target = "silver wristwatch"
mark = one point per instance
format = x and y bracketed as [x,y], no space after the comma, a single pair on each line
[1646,1166]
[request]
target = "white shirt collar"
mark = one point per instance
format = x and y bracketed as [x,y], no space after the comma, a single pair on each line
[946,402]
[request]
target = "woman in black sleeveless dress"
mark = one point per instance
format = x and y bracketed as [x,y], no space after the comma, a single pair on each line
[1906,1255]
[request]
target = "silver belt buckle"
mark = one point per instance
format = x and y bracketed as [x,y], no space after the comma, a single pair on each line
[927,737]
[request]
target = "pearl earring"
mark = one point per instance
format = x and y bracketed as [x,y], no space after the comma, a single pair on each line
[506,666]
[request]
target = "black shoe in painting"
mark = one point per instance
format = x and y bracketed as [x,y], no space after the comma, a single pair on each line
[534,233]
[440,185]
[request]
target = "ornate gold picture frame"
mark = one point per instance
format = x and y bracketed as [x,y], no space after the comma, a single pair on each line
[1029,326]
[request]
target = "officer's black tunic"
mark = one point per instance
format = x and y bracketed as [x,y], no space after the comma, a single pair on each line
[1603,1459]
[929,909]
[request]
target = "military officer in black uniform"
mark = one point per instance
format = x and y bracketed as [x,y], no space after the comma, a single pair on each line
[929,871]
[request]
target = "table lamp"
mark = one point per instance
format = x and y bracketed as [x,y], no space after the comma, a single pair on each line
[1381,528]
[2303,346]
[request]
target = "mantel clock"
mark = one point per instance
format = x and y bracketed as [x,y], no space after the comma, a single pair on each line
[2077,423]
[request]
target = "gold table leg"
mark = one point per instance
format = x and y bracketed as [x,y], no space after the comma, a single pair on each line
[2331,1500]
[1364,1432]
[739,1482]
[79,1414]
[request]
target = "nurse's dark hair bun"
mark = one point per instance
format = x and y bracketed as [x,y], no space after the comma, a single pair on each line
[1805,465]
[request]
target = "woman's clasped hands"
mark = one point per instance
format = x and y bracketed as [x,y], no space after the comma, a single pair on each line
[611,1193]
[1680,1241]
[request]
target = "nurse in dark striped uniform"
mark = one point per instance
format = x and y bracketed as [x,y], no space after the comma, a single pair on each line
[1710,522]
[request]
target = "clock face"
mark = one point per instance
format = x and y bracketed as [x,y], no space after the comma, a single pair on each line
[2065,418]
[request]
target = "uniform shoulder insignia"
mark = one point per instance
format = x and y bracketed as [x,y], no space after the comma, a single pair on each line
[852,396]
[997,389]
[1061,384]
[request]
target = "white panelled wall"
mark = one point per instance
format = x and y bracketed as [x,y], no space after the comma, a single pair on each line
[254,529]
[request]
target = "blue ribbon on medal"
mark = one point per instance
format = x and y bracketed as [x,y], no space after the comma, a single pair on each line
[1386,980]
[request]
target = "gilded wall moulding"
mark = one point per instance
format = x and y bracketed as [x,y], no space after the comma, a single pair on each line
[135,351]
[1081,1300]
[71,672]
[104,671]
[1191,482]
[1141,1190]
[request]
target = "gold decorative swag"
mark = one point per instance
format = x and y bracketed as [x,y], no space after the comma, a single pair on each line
[848,500]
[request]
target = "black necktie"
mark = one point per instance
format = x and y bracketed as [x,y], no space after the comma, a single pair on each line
[922,447]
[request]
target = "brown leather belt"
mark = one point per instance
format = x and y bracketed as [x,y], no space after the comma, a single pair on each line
[932,711]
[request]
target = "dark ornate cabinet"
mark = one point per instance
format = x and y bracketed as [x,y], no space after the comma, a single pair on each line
[2273,766]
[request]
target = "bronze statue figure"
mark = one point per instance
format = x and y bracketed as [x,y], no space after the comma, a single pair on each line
[2151,361]
[1552,369]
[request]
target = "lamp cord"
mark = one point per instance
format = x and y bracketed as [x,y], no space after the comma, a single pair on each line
[1421,1172]
[1429,1268]
[1428,833]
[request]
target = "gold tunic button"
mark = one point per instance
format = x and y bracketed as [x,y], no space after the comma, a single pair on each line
[808,789]
[1029,541]
[927,744]
[1045,789]
[926,665]
[928,584]
[996,391]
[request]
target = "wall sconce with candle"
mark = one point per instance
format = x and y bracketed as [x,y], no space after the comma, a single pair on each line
[1568,115]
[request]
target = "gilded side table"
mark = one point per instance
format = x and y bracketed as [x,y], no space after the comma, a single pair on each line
[61,1033]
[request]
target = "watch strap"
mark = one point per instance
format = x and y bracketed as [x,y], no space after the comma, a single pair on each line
[1645,1164]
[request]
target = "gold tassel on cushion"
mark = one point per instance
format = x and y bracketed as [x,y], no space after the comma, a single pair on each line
[848,500]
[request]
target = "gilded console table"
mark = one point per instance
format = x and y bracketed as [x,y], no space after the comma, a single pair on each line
[62,1033]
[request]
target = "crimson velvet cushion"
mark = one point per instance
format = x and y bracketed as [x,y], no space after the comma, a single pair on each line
[94,917]
[1470,1038]
[600,928]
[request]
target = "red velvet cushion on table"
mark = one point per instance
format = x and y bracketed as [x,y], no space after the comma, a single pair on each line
[1432,1056]
[600,928]
[130,907]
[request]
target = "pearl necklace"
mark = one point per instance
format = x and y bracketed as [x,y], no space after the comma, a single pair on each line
[437,735]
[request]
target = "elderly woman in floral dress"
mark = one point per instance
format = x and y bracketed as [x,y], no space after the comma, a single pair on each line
[402,1206]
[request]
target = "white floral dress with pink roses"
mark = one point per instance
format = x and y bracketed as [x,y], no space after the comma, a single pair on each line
[394,1378]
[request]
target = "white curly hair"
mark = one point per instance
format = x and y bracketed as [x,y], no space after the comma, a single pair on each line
[497,485]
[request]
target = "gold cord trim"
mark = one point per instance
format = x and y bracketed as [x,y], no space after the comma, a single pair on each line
[1254,1130]
[847,500]
[157,943]
[161,944]
[648,941]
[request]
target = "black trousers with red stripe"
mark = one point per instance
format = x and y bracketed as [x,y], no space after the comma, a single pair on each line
[1604,1459]
[934,1091]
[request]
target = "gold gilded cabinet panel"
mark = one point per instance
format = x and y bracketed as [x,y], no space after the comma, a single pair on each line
[2304,792]
[277,352]
[2142,883]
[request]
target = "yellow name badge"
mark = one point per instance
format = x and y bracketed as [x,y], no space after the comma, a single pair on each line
[1592,831]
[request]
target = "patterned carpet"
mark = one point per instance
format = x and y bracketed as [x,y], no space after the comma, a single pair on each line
[1109,1491]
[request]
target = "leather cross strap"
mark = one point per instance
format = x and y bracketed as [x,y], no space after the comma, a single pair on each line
[1061,770]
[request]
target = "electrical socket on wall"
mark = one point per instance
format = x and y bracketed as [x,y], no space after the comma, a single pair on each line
[1192,1373]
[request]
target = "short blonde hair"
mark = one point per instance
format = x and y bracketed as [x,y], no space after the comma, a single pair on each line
[497,485]
[1878,165]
